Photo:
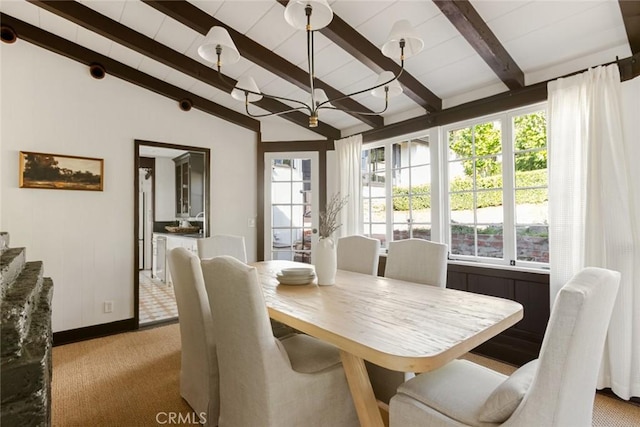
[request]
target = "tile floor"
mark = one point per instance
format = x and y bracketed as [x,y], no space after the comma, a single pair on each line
[157,300]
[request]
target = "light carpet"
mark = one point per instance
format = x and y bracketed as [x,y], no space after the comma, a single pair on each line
[131,379]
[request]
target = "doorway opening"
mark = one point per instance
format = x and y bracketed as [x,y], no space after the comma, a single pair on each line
[160,207]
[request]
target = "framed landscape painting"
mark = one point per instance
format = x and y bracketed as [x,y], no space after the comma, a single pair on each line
[60,172]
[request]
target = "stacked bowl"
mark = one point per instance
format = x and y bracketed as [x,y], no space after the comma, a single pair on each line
[296,276]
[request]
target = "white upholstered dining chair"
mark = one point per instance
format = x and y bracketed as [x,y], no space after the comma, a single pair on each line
[265,382]
[555,390]
[222,244]
[417,260]
[412,260]
[198,360]
[359,254]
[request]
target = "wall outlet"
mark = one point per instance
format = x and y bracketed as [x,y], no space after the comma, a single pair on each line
[108,306]
[252,222]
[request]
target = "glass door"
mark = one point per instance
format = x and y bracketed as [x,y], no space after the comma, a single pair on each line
[291,205]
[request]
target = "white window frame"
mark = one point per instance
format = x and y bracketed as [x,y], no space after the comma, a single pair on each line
[440,213]
[432,136]
[508,188]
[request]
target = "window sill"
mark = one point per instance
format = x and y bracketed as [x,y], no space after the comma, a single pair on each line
[545,271]
[476,264]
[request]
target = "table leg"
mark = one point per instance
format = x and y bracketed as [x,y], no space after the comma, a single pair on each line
[361,391]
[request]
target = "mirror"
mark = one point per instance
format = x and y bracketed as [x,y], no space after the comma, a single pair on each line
[171,210]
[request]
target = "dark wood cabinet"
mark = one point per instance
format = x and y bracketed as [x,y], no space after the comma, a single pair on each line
[520,343]
[189,184]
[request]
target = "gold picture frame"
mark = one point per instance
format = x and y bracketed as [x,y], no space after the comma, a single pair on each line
[61,172]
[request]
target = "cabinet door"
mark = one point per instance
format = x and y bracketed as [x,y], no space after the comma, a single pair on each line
[196,184]
[182,189]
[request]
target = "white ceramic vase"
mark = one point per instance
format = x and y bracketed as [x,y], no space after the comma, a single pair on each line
[326,262]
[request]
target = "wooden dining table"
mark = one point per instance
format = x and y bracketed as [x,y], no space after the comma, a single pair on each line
[402,326]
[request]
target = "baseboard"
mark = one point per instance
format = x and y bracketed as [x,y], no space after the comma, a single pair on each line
[608,392]
[94,331]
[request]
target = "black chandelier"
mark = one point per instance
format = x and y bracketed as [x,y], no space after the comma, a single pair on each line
[311,16]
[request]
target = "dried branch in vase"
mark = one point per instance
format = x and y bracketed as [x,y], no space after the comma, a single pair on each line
[329,218]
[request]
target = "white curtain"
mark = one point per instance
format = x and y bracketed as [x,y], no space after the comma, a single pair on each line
[593,211]
[348,159]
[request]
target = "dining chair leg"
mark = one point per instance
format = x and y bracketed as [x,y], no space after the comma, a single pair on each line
[361,391]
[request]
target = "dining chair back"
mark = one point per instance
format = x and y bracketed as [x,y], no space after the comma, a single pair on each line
[198,360]
[359,254]
[412,260]
[417,260]
[222,244]
[265,381]
[555,390]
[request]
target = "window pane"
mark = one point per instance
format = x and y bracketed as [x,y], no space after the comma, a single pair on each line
[534,159]
[379,231]
[490,241]
[280,216]
[400,231]
[532,243]
[420,154]
[401,177]
[421,231]
[460,176]
[489,207]
[531,180]
[460,144]
[378,210]
[487,138]
[280,171]
[532,207]
[297,215]
[463,239]
[281,192]
[282,255]
[420,176]
[421,216]
[462,207]
[282,238]
[530,131]
[366,208]
[373,160]
[401,213]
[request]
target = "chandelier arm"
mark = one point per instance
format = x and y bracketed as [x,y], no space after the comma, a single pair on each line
[375,113]
[231,86]
[280,98]
[350,95]
[255,116]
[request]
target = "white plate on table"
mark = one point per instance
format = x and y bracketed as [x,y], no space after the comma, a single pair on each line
[297,279]
[297,272]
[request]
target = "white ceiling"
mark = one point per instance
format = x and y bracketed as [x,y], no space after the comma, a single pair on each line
[546,39]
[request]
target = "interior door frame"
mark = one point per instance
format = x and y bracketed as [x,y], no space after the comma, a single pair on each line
[320,146]
[136,208]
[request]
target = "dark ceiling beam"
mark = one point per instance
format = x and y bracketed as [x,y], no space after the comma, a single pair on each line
[629,69]
[201,22]
[64,47]
[366,52]
[466,19]
[98,23]
[631,16]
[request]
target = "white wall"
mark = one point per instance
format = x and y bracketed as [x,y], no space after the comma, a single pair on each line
[51,104]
